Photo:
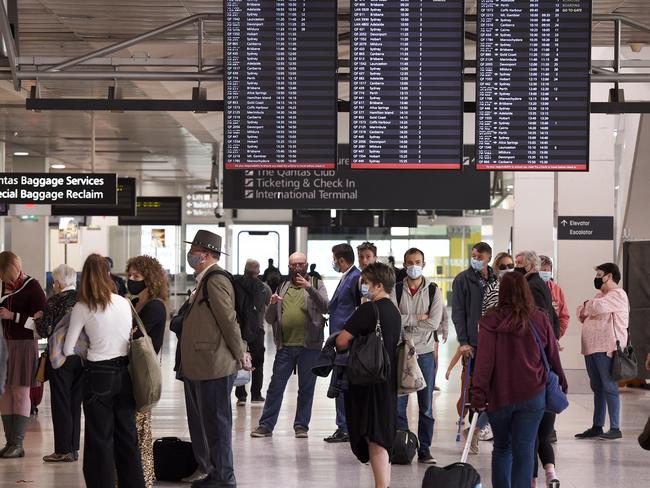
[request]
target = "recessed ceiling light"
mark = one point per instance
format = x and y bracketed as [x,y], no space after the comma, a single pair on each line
[58,166]
[21,153]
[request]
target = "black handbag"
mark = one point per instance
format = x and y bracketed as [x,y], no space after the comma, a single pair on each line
[368,362]
[405,446]
[624,363]
[173,459]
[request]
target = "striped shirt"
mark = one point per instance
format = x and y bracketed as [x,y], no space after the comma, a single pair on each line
[490,297]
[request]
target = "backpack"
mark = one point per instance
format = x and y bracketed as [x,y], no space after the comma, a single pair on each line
[457,475]
[405,445]
[249,303]
[399,289]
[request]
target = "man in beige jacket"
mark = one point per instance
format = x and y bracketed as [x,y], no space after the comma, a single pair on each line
[212,351]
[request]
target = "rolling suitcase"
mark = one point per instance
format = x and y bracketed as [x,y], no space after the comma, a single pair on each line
[36,396]
[457,475]
[173,459]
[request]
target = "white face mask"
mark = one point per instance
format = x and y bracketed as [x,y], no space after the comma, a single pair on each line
[365,292]
[546,275]
[414,271]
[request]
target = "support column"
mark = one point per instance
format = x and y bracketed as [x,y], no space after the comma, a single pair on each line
[30,239]
[582,194]
[534,213]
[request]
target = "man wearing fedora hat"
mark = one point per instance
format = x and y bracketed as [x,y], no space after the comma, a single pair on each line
[212,351]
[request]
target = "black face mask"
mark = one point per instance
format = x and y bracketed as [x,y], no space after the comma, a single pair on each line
[521,270]
[135,287]
[598,283]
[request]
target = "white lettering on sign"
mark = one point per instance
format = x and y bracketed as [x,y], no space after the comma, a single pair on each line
[580,222]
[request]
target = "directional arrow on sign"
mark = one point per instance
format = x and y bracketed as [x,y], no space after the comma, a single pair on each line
[564,223]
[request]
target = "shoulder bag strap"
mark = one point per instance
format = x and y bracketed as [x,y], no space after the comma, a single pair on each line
[378,320]
[539,343]
[138,320]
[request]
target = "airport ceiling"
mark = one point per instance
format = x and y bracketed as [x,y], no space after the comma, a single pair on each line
[160,146]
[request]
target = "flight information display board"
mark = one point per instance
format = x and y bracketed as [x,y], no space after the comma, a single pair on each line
[280,85]
[406,76]
[533,89]
[155,211]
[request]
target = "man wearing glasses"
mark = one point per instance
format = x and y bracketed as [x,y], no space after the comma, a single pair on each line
[296,314]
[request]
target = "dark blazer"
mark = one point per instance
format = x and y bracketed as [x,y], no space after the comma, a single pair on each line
[543,300]
[467,300]
[346,299]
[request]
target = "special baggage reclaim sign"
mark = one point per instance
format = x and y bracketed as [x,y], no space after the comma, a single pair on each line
[50,188]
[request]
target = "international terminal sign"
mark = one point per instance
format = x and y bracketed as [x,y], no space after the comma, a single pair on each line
[58,188]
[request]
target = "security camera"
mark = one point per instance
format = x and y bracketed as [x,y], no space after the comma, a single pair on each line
[218,211]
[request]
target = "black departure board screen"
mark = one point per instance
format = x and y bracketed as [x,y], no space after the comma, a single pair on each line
[155,211]
[125,203]
[533,90]
[406,99]
[280,88]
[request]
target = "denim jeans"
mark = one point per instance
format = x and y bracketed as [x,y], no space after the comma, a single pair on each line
[606,395]
[111,439]
[211,399]
[427,364]
[286,360]
[515,431]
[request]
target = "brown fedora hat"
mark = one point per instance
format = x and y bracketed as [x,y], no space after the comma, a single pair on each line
[208,240]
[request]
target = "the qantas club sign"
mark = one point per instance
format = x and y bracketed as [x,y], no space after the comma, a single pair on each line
[49,188]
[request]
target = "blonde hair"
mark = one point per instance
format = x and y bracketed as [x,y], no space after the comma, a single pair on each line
[8,258]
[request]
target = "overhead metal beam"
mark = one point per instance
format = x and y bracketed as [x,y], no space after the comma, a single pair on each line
[8,38]
[135,40]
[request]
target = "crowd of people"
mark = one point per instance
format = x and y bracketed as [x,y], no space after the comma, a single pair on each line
[509,319]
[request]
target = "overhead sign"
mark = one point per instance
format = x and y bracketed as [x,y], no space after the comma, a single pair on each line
[345,188]
[155,211]
[585,228]
[125,203]
[49,188]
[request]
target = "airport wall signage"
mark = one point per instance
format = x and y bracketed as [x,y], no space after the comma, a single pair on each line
[347,188]
[585,228]
[155,211]
[51,188]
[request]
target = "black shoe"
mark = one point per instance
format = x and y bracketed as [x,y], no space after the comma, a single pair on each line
[260,399]
[590,433]
[426,458]
[611,434]
[338,436]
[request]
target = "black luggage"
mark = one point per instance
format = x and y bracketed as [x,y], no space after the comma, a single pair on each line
[405,447]
[457,475]
[173,459]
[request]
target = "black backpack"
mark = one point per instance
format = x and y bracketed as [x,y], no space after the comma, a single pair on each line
[405,446]
[399,289]
[249,302]
[457,475]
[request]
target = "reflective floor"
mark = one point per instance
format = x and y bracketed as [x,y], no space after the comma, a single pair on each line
[283,461]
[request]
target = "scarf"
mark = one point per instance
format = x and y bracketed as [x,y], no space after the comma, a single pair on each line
[11,287]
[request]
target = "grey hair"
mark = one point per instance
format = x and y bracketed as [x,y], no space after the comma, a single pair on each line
[546,261]
[531,258]
[66,275]
[251,267]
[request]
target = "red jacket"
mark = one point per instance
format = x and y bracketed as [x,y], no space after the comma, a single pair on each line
[559,304]
[509,367]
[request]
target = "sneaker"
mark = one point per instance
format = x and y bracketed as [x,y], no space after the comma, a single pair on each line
[301,433]
[258,400]
[261,432]
[555,483]
[473,446]
[59,458]
[485,434]
[197,475]
[611,434]
[338,436]
[590,433]
[241,403]
[426,458]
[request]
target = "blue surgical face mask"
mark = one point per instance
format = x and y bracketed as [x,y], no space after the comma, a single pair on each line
[194,260]
[414,271]
[476,264]
[365,292]
[336,267]
[546,275]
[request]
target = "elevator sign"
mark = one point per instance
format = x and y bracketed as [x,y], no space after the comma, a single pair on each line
[585,228]
[49,188]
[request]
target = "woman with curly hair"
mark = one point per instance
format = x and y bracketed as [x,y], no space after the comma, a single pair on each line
[147,285]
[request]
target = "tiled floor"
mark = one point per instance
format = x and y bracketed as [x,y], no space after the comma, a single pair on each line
[283,461]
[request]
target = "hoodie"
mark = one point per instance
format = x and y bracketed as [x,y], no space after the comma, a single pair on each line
[509,367]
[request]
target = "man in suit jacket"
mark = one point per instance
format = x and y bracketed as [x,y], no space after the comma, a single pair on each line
[346,299]
[212,351]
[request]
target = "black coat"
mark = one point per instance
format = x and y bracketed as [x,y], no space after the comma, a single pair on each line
[543,300]
[466,307]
